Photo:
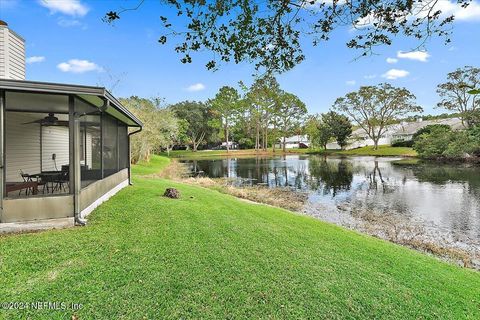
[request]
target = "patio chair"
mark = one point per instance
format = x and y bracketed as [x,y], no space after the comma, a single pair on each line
[61,181]
[26,178]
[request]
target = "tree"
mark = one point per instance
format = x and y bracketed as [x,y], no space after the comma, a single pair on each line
[442,142]
[262,104]
[270,32]
[290,112]
[458,94]
[197,116]
[375,107]
[338,126]
[311,129]
[226,105]
[324,134]
[160,127]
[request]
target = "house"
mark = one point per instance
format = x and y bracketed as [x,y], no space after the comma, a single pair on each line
[360,138]
[64,149]
[403,131]
[408,129]
[231,145]
[295,142]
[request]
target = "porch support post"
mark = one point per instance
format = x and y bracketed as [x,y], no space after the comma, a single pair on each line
[75,178]
[2,152]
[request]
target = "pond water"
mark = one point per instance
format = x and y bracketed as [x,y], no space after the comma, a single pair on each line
[365,192]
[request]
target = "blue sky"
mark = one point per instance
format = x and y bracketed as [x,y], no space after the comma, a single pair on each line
[67,42]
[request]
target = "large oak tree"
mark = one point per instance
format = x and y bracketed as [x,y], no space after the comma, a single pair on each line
[375,107]
[197,117]
[459,94]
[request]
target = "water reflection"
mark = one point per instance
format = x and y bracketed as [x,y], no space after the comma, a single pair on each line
[446,197]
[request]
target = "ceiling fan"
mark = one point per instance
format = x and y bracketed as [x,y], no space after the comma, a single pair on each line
[50,120]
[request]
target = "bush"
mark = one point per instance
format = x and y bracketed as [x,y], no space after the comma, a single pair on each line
[441,142]
[429,129]
[406,143]
[246,143]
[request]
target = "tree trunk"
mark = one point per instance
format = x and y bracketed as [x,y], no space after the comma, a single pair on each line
[226,137]
[265,140]
[284,149]
[257,137]
[375,144]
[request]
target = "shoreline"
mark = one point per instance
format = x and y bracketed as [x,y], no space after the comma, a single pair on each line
[411,235]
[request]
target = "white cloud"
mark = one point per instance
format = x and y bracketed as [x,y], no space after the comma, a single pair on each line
[393,74]
[350,82]
[470,13]
[392,60]
[414,55]
[422,9]
[35,59]
[370,76]
[68,7]
[196,87]
[78,66]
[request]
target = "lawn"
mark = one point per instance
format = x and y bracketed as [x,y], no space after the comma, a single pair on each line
[223,153]
[155,165]
[382,151]
[209,255]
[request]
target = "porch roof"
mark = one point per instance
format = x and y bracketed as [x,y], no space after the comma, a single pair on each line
[94,95]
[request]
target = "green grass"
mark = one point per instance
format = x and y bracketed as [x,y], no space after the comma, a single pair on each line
[223,153]
[156,164]
[364,151]
[382,151]
[209,255]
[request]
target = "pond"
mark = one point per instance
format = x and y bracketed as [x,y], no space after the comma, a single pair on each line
[438,202]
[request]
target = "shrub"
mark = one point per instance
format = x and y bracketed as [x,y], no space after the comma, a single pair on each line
[429,129]
[246,143]
[441,142]
[406,143]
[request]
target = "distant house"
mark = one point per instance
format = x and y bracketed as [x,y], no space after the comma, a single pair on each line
[408,129]
[231,145]
[394,133]
[295,142]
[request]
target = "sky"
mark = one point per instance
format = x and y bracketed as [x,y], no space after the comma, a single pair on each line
[67,42]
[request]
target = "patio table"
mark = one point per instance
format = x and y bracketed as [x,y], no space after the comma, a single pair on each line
[46,177]
[15,186]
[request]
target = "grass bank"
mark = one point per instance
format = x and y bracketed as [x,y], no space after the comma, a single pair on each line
[210,255]
[189,154]
[382,151]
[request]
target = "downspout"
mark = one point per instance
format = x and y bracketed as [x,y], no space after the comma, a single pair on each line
[129,156]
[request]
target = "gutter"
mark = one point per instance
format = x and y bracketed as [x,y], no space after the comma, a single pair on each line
[129,155]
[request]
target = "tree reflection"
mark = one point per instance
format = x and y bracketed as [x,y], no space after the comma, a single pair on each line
[330,176]
[443,174]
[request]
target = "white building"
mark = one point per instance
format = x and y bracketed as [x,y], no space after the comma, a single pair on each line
[295,142]
[408,129]
[12,54]
[403,131]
